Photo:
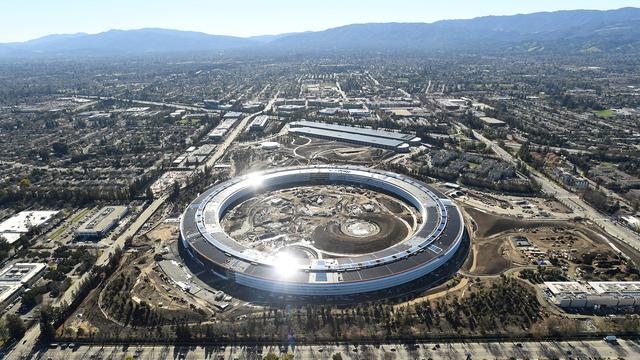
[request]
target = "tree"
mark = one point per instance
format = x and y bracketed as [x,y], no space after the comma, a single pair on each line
[60,148]
[175,191]
[25,183]
[44,154]
[149,193]
[5,247]
[336,356]
[47,331]
[183,332]
[15,326]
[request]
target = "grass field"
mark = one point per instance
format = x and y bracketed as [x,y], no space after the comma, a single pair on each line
[604,113]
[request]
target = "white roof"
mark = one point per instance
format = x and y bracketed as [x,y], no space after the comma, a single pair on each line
[622,287]
[21,272]
[20,223]
[566,287]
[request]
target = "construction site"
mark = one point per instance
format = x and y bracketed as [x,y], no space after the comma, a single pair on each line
[321,221]
[529,240]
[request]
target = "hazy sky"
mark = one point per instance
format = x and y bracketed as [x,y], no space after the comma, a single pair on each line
[26,19]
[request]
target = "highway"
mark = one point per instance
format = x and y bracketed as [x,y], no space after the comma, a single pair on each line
[592,349]
[574,202]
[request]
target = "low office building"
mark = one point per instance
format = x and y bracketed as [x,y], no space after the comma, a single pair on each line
[211,104]
[259,123]
[491,122]
[101,223]
[227,124]
[232,115]
[595,294]
[220,131]
[22,273]
[452,104]
[15,278]
[289,108]
[9,291]
[19,224]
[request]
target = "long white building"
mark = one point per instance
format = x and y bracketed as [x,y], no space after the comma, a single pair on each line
[595,294]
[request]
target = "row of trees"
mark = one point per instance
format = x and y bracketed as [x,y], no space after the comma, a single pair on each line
[506,307]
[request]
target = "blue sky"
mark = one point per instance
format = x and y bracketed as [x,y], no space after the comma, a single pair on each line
[27,19]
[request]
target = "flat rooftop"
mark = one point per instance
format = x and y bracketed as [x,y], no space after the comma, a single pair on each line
[356,130]
[491,121]
[8,289]
[616,287]
[21,272]
[339,135]
[260,120]
[20,223]
[566,287]
[232,114]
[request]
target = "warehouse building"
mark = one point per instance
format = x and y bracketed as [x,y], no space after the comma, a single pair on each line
[101,223]
[595,294]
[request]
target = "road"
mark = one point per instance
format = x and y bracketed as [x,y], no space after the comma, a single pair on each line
[527,350]
[342,94]
[223,146]
[574,202]
[29,340]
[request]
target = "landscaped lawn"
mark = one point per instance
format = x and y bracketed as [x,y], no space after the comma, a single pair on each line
[604,113]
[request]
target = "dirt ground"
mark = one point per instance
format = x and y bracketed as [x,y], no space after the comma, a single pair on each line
[491,257]
[494,248]
[490,224]
[329,237]
[159,235]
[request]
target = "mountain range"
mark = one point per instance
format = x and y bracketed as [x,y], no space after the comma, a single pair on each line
[573,31]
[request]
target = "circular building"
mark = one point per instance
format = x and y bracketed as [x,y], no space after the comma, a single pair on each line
[438,234]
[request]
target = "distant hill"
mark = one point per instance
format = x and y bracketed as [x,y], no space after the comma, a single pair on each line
[269,38]
[125,42]
[576,31]
[563,30]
